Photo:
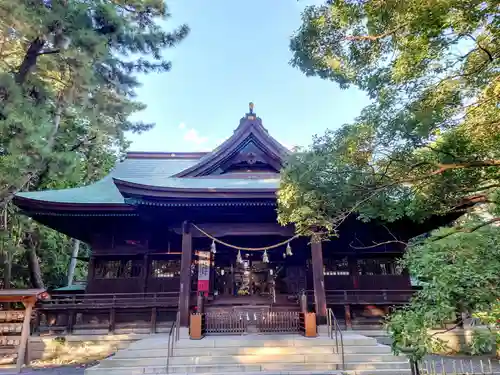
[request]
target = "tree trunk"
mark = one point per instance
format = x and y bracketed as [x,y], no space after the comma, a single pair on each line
[34,267]
[29,60]
[7,269]
[7,273]
[72,263]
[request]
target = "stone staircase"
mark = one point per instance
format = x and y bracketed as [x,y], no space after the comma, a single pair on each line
[254,354]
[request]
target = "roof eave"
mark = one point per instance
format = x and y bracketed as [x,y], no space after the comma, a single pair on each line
[30,204]
[132,189]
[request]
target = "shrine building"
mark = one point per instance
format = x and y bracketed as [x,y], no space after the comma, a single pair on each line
[164,227]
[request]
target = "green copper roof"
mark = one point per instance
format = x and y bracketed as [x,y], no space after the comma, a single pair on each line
[206,183]
[143,171]
[71,288]
[158,170]
[105,191]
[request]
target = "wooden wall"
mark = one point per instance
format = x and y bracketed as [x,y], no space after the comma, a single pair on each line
[136,241]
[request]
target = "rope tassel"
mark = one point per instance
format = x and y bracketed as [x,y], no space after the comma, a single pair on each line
[288,250]
[265,258]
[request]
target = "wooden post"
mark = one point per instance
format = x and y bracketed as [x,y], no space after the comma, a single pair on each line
[145,273]
[91,271]
[353,271]
[185,277]
[112,320]
[25,334]
[71,321]
[348,318]
[318,276]
[303,302]
[200,302]
[153,320]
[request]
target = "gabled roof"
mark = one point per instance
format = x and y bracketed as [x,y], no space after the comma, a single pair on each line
[251,135]
[188,175]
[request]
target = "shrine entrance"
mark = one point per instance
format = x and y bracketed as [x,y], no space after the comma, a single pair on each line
[254,278]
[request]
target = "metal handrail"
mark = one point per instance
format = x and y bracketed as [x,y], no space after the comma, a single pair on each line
[334,328]
[171,341]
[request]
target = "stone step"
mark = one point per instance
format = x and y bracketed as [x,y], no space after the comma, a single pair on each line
[263,358]
[285,367]
[162,371]
[178,352]
[271,368]
[252,341]
[283,350]
[277,358]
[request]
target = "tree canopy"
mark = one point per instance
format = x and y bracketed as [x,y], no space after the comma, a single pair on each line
[68,75]
[428,144]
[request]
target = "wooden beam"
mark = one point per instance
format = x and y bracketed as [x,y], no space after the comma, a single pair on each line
[185,277]
[25,333]
[240,229]
[318,276]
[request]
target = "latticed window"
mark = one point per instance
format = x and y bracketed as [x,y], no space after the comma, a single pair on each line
[370,267]
[336,267]
[165,268]
[114,269]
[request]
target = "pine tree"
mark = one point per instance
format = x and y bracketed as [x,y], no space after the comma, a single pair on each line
[68,75]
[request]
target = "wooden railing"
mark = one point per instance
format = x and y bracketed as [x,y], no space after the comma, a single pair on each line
[363,296]
[129,311]
[118,300]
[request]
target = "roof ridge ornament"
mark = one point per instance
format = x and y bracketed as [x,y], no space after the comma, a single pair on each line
[251,113]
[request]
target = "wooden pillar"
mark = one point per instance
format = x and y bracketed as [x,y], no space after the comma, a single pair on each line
[91,270]
[303,302]
[318,276]
[25,334]
[145,273]
[200,302]
[154,315]
[185,278]
[348,318]
[353,271]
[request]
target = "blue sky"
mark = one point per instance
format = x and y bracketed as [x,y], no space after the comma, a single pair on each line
[237,52]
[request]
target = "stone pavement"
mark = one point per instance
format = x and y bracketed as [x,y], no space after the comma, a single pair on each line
[447,361]
[59,370]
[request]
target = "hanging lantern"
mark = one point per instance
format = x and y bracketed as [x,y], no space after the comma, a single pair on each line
[212,247]
[265,258]
[238,257]
[288,250]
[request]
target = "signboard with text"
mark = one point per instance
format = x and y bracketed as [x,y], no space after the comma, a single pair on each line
[204,271]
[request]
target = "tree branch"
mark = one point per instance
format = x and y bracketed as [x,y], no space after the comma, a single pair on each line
[447,329]
[376,244]
[81,143]
[490,56]
[49,52]
[467,230]
[375,37]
